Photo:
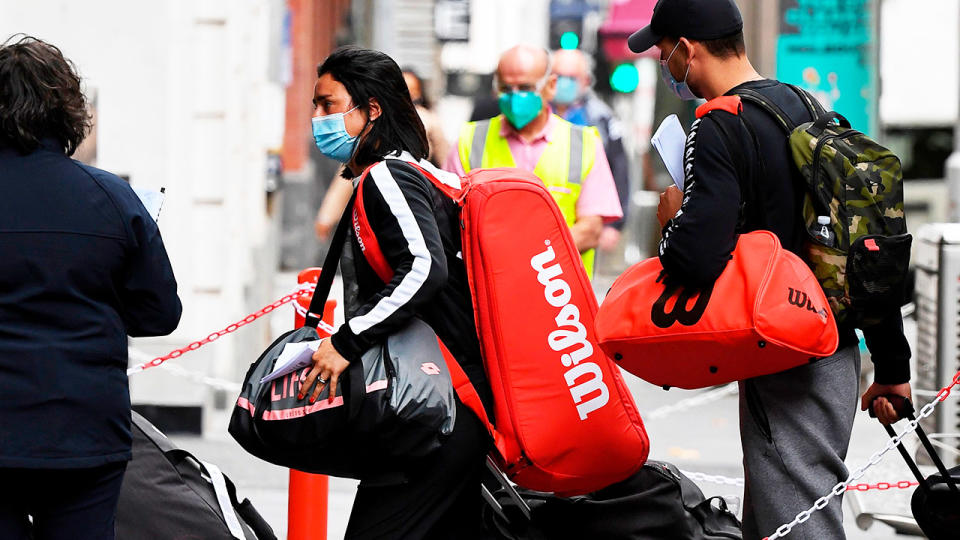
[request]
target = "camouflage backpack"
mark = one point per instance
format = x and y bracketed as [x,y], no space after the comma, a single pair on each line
[857,243]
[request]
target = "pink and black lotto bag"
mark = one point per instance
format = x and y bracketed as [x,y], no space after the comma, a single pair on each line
[395,405]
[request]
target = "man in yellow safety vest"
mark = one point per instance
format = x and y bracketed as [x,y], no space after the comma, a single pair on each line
[568,158]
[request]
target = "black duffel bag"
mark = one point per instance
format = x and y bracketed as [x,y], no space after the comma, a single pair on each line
[168,494]
[658,502]
[395,405]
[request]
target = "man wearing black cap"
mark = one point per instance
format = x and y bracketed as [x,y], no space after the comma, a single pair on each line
[795,425]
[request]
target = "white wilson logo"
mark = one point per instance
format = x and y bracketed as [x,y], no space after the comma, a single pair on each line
[570,337]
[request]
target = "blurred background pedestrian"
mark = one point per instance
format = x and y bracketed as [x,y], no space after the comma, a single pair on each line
[576,102]
[568,159]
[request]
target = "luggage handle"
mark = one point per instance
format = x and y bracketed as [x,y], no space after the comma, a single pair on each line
[904,408]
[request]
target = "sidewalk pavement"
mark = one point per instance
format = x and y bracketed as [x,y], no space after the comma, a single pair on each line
[702,439]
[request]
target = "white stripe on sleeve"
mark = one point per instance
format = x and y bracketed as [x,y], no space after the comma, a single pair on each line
[418,273]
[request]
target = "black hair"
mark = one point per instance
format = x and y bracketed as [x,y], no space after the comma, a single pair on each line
[424,100]
[727,46]
[369,74]
[40,96]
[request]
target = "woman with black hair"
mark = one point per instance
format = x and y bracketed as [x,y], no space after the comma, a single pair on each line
[82,266]
[365,118]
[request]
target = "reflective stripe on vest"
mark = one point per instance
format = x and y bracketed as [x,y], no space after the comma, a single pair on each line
[567,159]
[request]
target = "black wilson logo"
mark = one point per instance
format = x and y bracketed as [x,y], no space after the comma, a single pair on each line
[679,314]
[800,299]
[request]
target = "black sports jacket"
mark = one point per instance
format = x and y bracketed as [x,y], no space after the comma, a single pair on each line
[417,228]
[696,244]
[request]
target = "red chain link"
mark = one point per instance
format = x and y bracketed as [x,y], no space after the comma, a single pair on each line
[883,486]
[305,291]
[945,391]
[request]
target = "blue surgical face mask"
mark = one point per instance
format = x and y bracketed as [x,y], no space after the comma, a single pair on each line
[330,134]
[680,89]
[568,89]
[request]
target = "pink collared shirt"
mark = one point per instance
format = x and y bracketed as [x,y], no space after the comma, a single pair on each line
[598,193]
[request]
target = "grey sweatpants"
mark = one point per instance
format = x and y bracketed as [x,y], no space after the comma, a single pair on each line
[795,429]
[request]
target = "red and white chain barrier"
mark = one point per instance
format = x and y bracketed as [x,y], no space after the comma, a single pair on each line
[304,290]
[844,486]
[728,481]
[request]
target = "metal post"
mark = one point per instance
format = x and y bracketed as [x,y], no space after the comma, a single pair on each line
[953,162]
[308,494]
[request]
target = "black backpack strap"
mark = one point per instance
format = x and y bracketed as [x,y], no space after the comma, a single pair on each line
[774,110]
[814,107]
[329,268]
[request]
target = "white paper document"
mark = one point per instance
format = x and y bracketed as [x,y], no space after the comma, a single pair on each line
[152,200]
[294,356]
[670,140]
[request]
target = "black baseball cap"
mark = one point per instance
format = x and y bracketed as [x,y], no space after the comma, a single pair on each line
[693,19]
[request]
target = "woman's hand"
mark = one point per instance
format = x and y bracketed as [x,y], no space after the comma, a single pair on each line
[328,364]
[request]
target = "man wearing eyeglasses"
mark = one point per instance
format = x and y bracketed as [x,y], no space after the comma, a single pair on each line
[568,159]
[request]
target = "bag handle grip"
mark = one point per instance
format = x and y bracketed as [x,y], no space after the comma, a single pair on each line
[904,409]
[823,120]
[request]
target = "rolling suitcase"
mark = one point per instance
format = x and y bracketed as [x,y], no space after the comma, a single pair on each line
[936,501]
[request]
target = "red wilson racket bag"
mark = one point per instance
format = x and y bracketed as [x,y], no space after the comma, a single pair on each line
[765,313]
[564,419]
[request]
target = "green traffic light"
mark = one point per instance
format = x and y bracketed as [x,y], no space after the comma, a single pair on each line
[625,78]
[569,40]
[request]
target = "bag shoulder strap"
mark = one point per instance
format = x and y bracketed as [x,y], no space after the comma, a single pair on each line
[771,108]
[469,396]
[368,240]
[224,499]
[369,245]
[329,268]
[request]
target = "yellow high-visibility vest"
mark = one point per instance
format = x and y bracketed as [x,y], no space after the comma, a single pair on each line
[565,163]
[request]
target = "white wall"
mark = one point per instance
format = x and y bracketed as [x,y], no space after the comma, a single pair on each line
[495,26]
[185,101]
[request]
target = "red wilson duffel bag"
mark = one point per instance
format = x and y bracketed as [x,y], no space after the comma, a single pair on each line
[765,313]
[564,419]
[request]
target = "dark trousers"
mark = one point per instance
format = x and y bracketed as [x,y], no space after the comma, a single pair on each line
[440,501]
[65,504]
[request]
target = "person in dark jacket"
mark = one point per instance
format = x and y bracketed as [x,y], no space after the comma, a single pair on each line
[795,425]
[365,118]
[82,266]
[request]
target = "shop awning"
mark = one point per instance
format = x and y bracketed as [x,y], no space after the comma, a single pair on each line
[625,18]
